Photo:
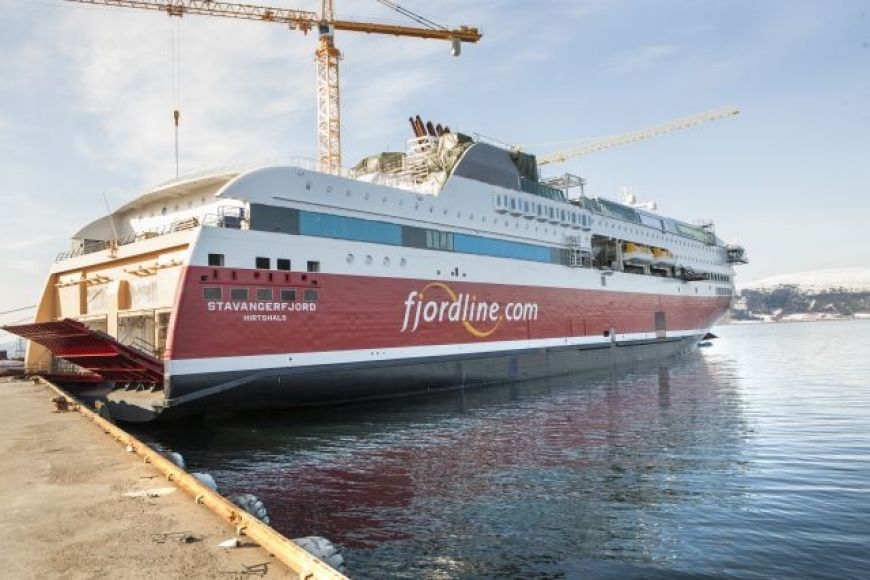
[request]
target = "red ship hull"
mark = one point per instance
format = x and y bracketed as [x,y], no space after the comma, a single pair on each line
[371,337]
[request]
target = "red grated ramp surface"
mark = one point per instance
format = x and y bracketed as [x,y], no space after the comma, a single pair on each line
[92,350]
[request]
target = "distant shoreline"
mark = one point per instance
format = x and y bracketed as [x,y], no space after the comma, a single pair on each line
[797,318]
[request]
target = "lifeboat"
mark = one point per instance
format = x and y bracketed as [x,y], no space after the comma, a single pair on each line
[636,254]
[663,257]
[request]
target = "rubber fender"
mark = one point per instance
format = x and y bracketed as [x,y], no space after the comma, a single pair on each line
[251,504]
[322,548]
[207,480]
[176,458]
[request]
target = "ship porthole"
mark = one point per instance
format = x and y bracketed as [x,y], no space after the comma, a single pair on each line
[386,261]
[350,258]
[369,259]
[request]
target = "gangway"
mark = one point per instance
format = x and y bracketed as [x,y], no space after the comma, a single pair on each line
[95,351]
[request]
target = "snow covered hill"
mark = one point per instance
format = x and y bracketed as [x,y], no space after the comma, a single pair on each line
[836,293]
[848,279]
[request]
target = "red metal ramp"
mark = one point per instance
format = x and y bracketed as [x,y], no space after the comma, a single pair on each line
[92,350]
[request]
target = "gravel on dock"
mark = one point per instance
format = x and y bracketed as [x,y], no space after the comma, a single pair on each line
[64,512]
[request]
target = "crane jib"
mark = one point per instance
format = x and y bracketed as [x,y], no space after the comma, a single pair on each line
[328,124]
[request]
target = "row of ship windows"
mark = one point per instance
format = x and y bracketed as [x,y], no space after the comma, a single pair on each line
[261,294]
[263,263]
[471,216]
[505,203]
[537,210]
[723,291]
[293,221]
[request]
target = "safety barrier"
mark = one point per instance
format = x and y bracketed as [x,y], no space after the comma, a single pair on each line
[298,560]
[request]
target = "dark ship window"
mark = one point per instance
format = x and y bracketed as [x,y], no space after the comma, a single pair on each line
[263,263]
[313,266]
[238,293]
[283,264]
[215,259]
[264,294]
[310,295]
[211,293]
[288,295]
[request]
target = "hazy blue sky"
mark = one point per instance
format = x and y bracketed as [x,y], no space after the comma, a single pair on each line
[86,97]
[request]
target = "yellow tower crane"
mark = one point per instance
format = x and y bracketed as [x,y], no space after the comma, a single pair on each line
[327,54]
[593,145]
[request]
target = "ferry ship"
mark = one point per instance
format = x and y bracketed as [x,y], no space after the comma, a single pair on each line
[450,265]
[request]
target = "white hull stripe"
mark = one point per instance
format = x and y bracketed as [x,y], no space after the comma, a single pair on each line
[195,366]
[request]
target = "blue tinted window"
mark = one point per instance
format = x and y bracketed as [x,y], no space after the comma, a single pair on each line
[345,228]
[500,248]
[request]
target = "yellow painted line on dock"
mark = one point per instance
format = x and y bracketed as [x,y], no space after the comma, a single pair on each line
[298,560]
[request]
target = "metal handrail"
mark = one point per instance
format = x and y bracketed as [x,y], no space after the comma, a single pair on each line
[170,228]
[142,345]
[56,366]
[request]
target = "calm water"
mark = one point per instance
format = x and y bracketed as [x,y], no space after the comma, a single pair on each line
[747,459]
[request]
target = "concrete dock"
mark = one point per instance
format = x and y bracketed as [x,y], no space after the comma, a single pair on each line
[64,512]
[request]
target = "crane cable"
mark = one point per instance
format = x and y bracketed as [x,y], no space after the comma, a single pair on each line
[412,15]
[176,86]
[23,308]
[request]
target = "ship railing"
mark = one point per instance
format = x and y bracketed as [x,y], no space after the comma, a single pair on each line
[142,345]
[578,256]
[56,366]
[92,246]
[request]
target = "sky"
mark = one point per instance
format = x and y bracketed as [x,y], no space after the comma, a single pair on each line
[87,94]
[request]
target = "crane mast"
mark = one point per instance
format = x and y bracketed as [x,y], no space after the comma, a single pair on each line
[327,54]
[328,96]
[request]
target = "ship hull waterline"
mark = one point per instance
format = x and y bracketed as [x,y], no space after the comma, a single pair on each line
[276,388]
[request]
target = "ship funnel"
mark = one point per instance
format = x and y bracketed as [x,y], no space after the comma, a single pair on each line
[420,128]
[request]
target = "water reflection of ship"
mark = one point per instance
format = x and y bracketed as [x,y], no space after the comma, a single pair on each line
[365,475]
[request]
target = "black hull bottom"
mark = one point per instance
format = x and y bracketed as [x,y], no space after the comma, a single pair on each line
[220,393]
